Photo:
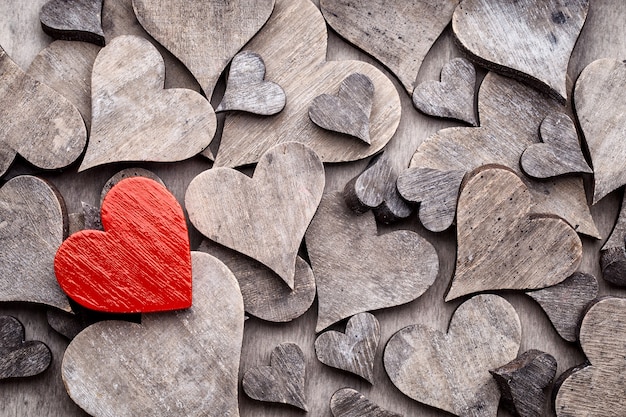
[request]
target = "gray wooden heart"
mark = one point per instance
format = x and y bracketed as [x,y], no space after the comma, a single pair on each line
[19,358]
[348,402]
[613,253]
[73,20]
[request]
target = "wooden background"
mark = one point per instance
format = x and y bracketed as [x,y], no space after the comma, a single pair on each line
[604,35]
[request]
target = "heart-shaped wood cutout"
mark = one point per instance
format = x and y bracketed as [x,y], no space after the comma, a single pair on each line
[356,270]
[37,122]
[598,388]
[73,20]
[600,111]
[560,152]
[613,253]
[19,359]
[501,245]
[398,34]
[349,111]
[281,382]
[184,362]
[133,118]
[293,45]
[353,351]
[530,39]
[450,371]
[247,91]
[273,209]
[33,219]
[204,36]
[453,96]
[139,263]
[348,402]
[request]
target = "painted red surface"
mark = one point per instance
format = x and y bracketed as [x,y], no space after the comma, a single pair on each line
[141,262]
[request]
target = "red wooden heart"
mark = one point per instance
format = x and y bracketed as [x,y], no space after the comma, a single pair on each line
[140,263]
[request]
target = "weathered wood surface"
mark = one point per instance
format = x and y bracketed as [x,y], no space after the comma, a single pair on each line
[348,402]
[613,253]
[123,174]
[20,358]
[73,20]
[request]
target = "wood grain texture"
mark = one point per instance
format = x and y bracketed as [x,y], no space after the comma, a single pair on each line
[566,303]
[353,351]
[453,96]
[501,139]
[450,371]
[20,358]
[177,124]
[602,119]
[73,20]
[356,270]
[530,39]
[139,263]
[122,369]
[282,381]
[264,217]
[293,44]
[348,402]
[68,324]
[523,383]
[397,33]
[127,173]
[613,253]
[501,245]
[597,389]
[559,154]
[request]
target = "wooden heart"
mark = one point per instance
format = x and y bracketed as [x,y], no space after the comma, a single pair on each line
[613,253]
[560,152]
[37,123]
[398,34]
[598,388]
[353,351]
[281,382]
[184,362]
[356,270]
[73,20]
[566,303]
[501,139]
[541,34]
[206,36]
[273,209]
[33,227]
[349,111]
[293,45]
[600,111]
[18,358]
[140,263]
[133,118]
[348,402]
[453,96]
[501,245]
[450,371]
[247,91]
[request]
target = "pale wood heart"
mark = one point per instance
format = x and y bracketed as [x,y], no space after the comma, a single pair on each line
[73,20]
[353,351]
[560,152]
[501,139]
[183,363]
[33,218]
[453,96]
[37,122]
[20,358]
[133,118]
[281,382]
[398,34]
[293,44]
[247,91]
[501,245]
[204,36]
[348,402]
[264,217]
[597,389]
[529,39]
[450,371]
[356,270]
[600,110]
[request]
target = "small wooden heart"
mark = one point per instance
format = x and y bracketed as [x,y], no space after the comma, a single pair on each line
[349,111]
[353,351]
[18,358]
[246,89]
[450,371]
[281,382]
[348,402]
[453,96]
[73,20]
[613,253]
[501,245]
